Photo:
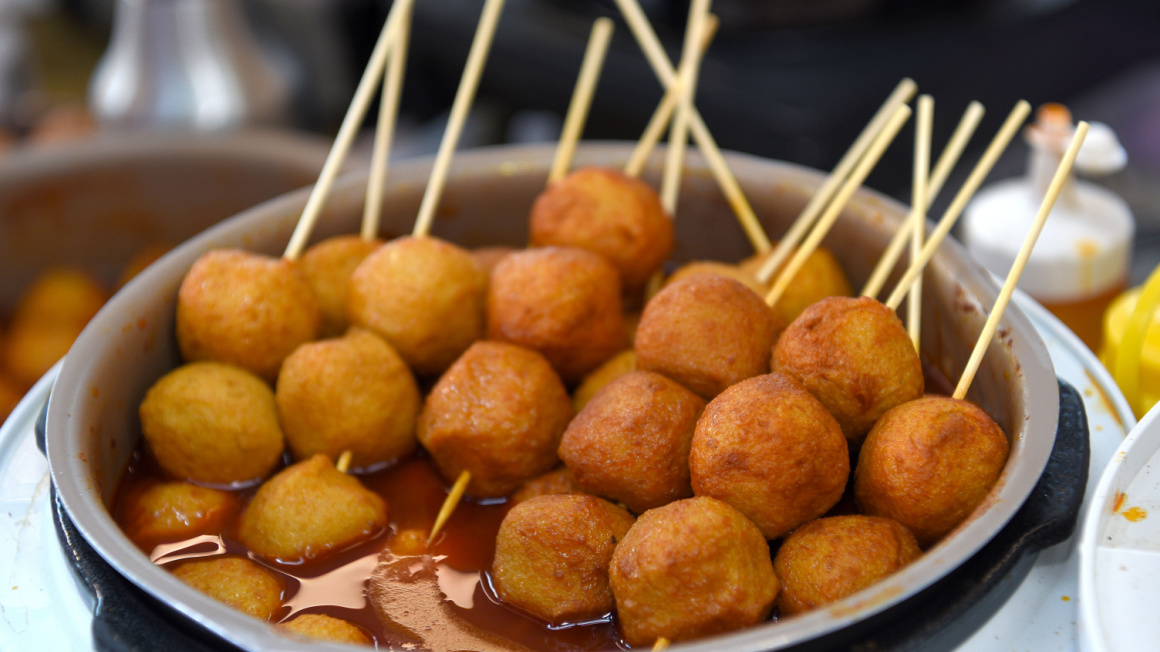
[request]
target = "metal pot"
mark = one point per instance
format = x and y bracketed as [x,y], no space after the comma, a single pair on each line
[92,424]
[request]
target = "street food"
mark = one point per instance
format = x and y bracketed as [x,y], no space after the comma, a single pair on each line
[854,355]
[631,442]
[352,394]
[244,309]
[171,511]
[563,302]
[556,481]
[692,568]
[610,213]
[771,450]
[929,464]
[326,628]
[236,581]
[327,267]
[706,332]
[828,559]
[498,412]
[598,378]
[552,554]
[309,510]
[821,276]
[424,296]
[212,422]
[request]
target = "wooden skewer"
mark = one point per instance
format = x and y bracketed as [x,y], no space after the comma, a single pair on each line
[343,462]
[857,176]
[385,130]
[918,212]
[687,84]
[663,68]
[347,131]
[801,225]
[992,324]
[664,113]
[464,96]
[449,504]
[946,162]
[582,97]
[974,180]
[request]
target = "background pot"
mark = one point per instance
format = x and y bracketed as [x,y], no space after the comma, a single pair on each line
[92,423]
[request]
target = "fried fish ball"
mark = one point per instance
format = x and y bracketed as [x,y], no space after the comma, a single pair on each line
[558,481]
[60,296]
[33,347]
[212,422]
[706,332]
[734,272]
[327,267]
[552,554]
[352,393]
[828,559]
[563,302]
[171,511]
[424,296]
[498,412]
[245,309]
[608,212]
[854,355]
[929,464]
[236,581]
[309,510]
[821,276]
[631,442]
[771,450]
[613,368]
[692,568]
[326,628]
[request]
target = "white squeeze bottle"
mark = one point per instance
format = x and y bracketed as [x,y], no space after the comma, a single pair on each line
[1081,261]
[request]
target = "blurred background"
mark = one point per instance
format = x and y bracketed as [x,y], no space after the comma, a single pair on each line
[794,80]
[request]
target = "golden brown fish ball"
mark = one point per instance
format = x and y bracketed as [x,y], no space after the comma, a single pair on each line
[929,464]
[236,581]
[212,422]
[720,269]
[563,302]
[853,355]
[32,347]
[424,296]
[498,412]
[706,332]
[821,276]
[631,442]
[613,368]
[60,296]
[770,449]
[171,511]
[245,309]
[309,510]
[326,628]
[558,481]
[692,568]
[352,393]
[552,553]
[828,559]
[327,267]
[488,257]
[608,212]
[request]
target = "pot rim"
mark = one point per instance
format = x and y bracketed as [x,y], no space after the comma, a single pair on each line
[73,478]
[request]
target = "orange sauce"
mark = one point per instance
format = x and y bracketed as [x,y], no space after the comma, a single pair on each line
[1085,317]
[336,585]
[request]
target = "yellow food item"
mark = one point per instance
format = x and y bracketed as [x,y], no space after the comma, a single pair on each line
[238,582]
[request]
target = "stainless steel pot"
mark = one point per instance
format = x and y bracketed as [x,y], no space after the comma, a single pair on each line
[92,424]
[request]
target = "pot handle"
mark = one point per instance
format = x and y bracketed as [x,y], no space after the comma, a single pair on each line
[125,618]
